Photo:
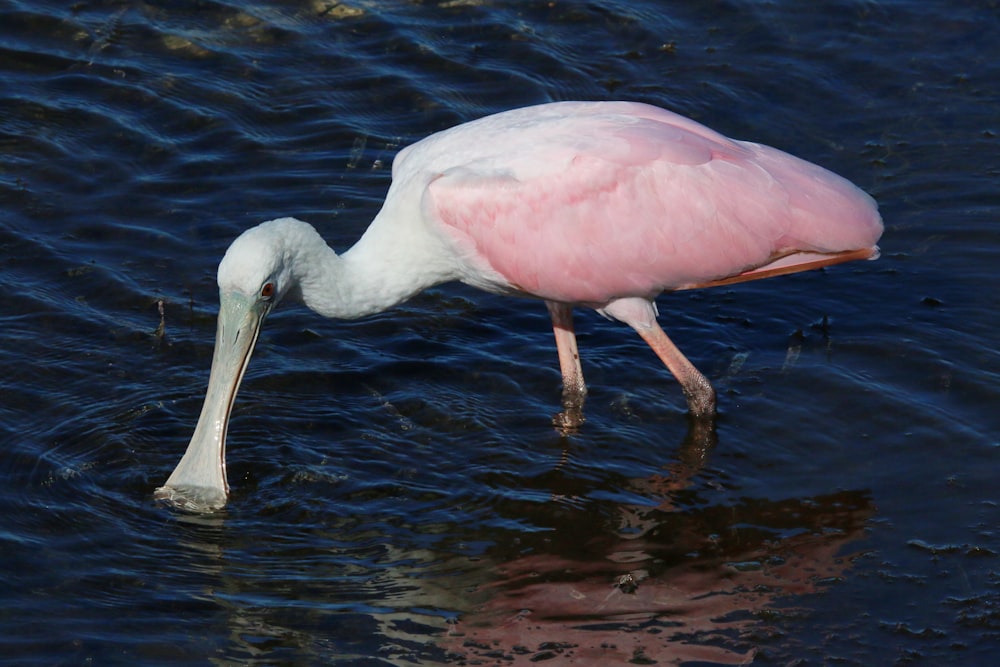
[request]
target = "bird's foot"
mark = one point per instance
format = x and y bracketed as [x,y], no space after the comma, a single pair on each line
[701,400]
[569,420]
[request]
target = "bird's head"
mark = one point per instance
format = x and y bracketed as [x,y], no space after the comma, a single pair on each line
[255,274]
[258,264]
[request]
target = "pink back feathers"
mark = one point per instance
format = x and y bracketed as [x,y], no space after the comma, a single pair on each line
[591,202]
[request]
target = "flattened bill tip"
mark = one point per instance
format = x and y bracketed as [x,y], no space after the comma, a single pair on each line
[196,499]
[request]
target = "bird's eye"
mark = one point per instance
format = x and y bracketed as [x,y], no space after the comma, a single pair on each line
[267,291]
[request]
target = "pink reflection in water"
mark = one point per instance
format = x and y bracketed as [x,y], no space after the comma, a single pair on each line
[701,594]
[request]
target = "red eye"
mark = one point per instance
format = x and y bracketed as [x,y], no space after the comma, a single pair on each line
[267,291]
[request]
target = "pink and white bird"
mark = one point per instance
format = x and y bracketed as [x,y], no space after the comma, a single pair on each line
[597,204]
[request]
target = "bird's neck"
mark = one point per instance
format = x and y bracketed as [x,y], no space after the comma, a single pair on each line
[384,268]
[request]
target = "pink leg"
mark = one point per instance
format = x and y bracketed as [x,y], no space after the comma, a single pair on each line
[641,316]
[697,389]
[574,388]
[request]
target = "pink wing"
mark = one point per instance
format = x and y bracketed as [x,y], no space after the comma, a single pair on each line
[587,203]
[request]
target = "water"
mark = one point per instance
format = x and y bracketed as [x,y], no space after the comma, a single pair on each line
[399,496]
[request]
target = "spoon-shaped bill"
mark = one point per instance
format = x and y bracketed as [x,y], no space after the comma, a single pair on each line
[198,483]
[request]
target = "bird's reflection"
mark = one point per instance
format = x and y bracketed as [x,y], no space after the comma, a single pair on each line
[638,570]
[689,589]
[670,580]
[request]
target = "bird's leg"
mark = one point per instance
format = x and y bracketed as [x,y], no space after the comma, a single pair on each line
[697,389]
[640,314]
[574,389]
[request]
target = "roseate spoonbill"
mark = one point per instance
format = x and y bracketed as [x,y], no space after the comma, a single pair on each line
[596,204]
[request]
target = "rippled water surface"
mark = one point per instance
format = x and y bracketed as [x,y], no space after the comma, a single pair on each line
[399,494]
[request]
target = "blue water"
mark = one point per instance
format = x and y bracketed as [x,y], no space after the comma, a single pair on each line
[399,494]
